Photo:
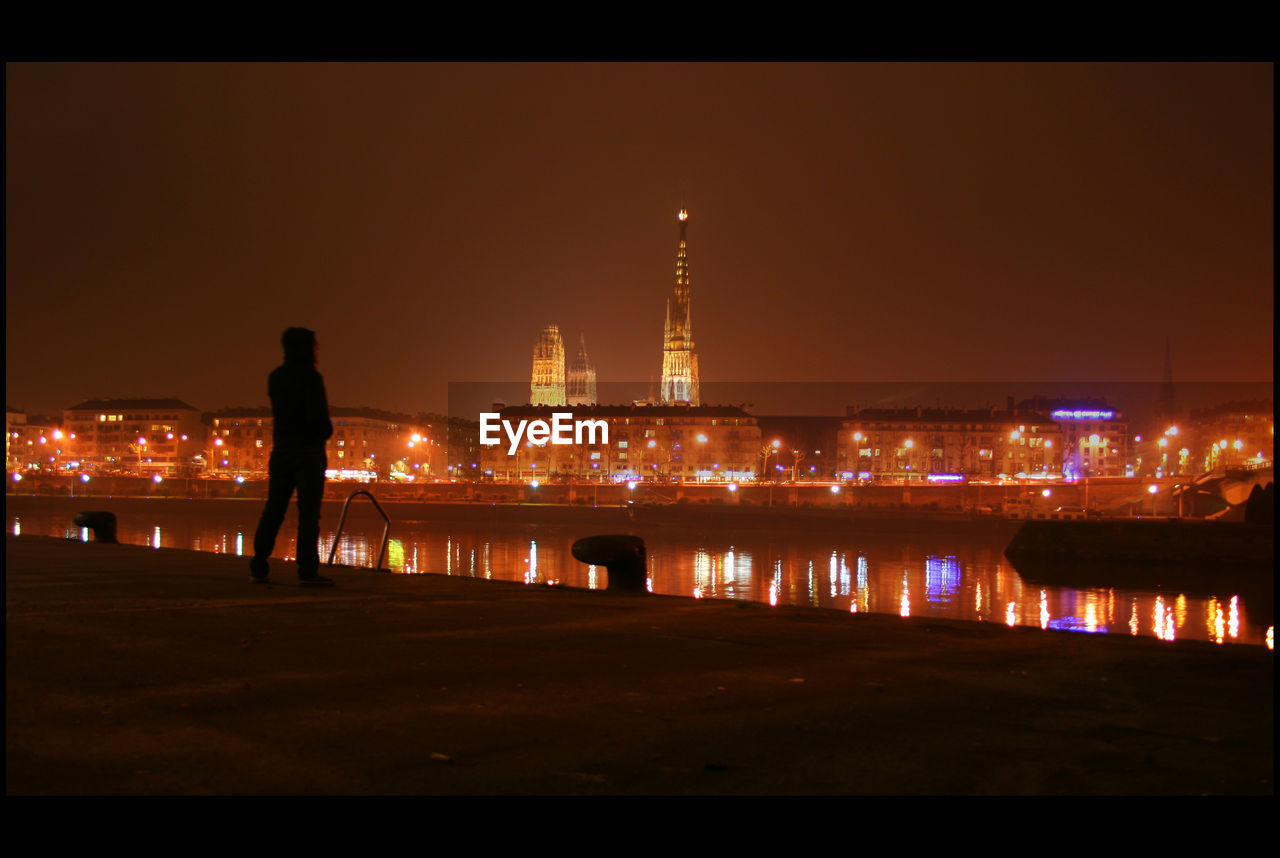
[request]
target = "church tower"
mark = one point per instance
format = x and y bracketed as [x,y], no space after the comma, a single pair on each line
[679,361]
[581,383]
[547,387]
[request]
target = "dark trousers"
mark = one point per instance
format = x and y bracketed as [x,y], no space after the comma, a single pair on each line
[301,469]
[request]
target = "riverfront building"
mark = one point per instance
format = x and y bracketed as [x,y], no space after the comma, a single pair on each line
[15,423]
[134,436]
[1231,435]
[654,443]
[1096,439]
[35,442]
[366,444]
[679,360]
[939,445]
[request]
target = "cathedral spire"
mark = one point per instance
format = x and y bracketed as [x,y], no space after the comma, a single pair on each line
[679,361]
[580,383]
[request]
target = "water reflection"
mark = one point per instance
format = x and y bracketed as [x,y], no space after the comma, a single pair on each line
[922,577]
[941,579]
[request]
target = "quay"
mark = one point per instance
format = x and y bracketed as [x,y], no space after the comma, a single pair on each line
[140,671]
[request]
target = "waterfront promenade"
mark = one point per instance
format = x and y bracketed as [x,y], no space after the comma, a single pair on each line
[131,670]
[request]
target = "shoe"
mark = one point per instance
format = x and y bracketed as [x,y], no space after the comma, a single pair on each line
[258,570]
[312,579]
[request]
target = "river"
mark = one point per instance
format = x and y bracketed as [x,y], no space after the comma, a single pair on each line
[945,574]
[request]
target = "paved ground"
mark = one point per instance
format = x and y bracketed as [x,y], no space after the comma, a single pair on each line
[138,671]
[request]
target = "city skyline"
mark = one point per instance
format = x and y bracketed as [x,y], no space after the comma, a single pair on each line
[950,222]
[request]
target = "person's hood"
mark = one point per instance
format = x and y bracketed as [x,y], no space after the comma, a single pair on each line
[299,345]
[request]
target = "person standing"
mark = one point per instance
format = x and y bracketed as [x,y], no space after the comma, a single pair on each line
[300,414]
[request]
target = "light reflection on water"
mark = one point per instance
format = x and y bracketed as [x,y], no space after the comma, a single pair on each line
[967,581]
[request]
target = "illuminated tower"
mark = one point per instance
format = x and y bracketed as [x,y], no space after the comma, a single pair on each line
[547,387]
[581,386]
[679,362]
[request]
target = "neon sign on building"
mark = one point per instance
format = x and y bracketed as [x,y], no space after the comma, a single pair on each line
[1082,414]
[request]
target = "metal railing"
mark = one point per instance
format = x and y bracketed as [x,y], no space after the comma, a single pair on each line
[386,529]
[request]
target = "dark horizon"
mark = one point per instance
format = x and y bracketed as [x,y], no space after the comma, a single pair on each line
[848,223]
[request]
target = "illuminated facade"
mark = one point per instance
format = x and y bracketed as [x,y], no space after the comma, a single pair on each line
[927,445]
[453,444]
[1232,435]
[35,442]
[580,387]
[679,360]
[15,423]
[138,436]
[547,386]
[366,443]
[239,442]
[1095,441]
[654,443]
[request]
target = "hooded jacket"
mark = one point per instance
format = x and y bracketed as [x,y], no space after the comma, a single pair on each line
[298,405]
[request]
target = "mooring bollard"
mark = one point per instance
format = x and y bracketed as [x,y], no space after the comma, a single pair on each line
[622,555]
[102,523]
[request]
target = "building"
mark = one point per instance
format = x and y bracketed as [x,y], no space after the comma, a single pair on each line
[366,444]
[679,360]
[15,423]
[135,436]
[453,444]
[1096,440]
[1230,435]
[655,443]
[939,445]
[239,442]
[580,387]
[547,385]
[36,442]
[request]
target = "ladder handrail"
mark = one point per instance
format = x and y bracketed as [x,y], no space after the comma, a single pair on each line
[386,528]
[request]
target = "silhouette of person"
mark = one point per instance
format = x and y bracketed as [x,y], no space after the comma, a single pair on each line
[300,414]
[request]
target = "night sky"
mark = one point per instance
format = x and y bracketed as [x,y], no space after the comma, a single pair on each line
[165,222]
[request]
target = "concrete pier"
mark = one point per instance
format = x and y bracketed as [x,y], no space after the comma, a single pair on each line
[131,670]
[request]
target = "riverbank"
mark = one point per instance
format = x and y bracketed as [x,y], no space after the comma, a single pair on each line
[139,671]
